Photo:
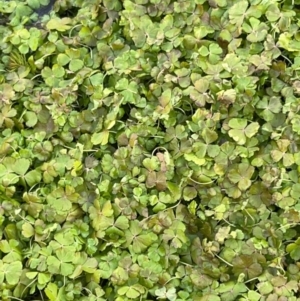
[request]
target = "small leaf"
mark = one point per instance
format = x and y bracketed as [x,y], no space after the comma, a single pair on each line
[63,59]
[27,230]
[237,123]
[31,119]
[189,193]
[33,177]
[100,138]
[13,272]
[44,278]
[75,65]
[193,158]
[51,291]
[62,24]
[21,166]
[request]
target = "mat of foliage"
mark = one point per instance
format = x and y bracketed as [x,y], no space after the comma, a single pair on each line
[150,150]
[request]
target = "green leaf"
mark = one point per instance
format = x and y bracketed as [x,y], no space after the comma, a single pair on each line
[21,166]
[27,230]
[131,292]
[189,193]
[240,131]
[122,222]
[237,11]
[237,123]
[241,175]
[209,135]
[51,291]
[75,65]
[12,272]
[294,250]
[273,13]
[43,278]
[33,177]
[100,138]
[265,287]
[246,264]
[151,164]
[62,24]
[31,119]
[169,294]
[63,59]
[210,297]
[193,158]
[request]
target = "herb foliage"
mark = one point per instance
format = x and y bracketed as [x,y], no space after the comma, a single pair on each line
[149,149]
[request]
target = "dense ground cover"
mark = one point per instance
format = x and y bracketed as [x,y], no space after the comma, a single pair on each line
[149,149]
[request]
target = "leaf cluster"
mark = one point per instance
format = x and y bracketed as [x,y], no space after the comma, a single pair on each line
[149,149]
